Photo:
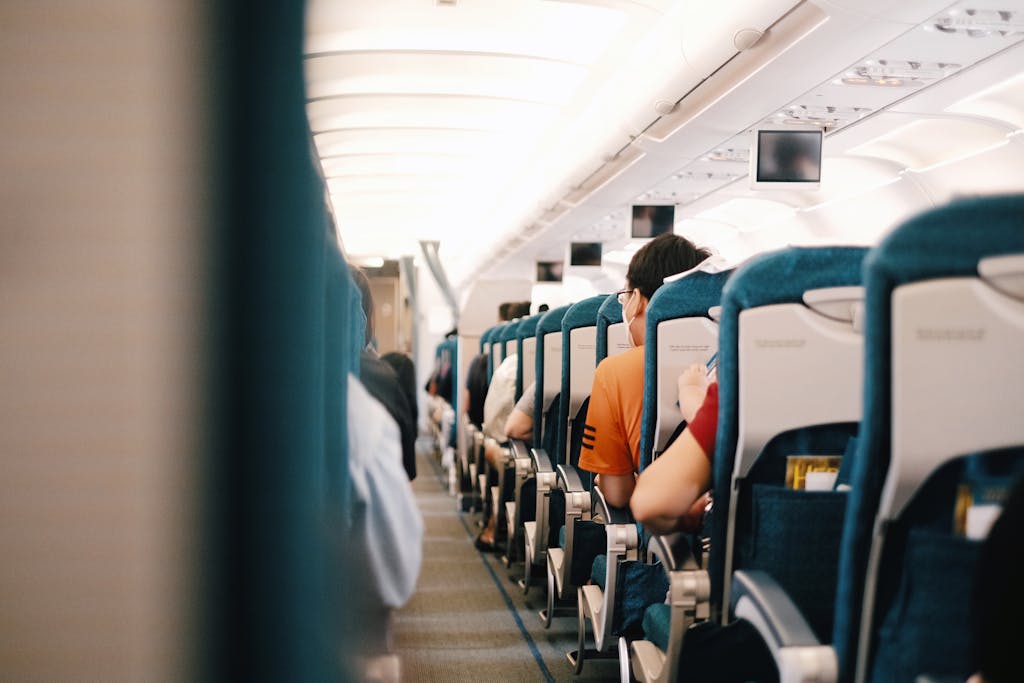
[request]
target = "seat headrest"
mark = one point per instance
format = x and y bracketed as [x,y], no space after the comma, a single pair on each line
[552,320]
[583,313]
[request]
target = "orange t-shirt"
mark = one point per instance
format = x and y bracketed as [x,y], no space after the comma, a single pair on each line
[611,437]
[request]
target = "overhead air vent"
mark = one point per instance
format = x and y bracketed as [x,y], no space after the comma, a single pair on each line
[892,73]
[980,23]
[824,116]
[741,155]
[706,175]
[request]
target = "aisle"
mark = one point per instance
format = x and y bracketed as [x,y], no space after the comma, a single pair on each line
[467,620]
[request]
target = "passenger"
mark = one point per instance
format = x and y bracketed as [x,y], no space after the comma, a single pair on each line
[476,376]
[611,442]
[381,381]
[518,424]
[406,373]
[499,413]
[671,494]
[384,544]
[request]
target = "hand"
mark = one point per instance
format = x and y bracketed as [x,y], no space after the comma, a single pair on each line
[693,385]
[695,375]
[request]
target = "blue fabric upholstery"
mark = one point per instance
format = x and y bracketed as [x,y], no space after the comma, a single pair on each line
[689,297]
[527,329]
[609,314]
[509,332]
[340,357]
[550,322]
[581,314]
[772,278]
[485,338]
[944,242]
[657,622]
[493,342]
[794,535]
[638,586]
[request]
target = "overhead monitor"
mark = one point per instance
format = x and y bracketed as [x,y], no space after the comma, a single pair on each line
[585,254]
[651,221]
[786,158]
[550,271]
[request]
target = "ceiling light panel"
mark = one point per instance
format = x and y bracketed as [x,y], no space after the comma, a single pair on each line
[408,140]
[428,111]
[539,29]
[491,75]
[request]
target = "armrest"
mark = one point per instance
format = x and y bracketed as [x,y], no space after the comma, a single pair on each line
[519,449]
[673,550]
[569,478]
[541,461]
[798,655]
[611,514]
[770,604]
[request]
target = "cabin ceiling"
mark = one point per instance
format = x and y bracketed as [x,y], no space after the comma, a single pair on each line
[484,123]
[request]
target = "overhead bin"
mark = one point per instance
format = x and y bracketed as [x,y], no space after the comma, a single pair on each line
[699,38]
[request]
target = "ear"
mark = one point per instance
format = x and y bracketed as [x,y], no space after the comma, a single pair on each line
[641,305]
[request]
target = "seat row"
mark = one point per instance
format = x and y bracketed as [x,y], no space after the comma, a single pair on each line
[868,420]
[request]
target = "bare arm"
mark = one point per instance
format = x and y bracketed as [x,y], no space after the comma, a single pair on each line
[519,425]
[693,385]
[617,488]
[669,490]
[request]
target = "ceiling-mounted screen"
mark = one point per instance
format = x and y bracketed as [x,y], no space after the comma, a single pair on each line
[550,271]
[585,254]
[651,221]
[786,159]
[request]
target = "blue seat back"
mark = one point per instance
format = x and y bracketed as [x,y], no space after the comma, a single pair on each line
[508,336]
[611,330]
[497,348]
[579,358]
[800,386]
[526,350]
[485,347]
[780,277]
[928,316]
[485,339]
[547,371]
[678,334]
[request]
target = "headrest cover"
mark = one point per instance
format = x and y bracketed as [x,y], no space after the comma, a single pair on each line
[688,297]
[552,320]
[528,326]
[609,313]
[509,332]
[583,313]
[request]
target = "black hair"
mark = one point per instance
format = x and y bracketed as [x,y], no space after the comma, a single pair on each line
[503,310]
[519,309]
[665,255]
[542,308]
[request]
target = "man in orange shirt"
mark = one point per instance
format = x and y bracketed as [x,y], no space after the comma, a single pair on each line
[611,438]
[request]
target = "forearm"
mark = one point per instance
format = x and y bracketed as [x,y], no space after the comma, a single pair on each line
[519,425]
[617,488]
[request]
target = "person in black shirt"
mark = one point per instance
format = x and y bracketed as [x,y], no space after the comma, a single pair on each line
[381,381]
